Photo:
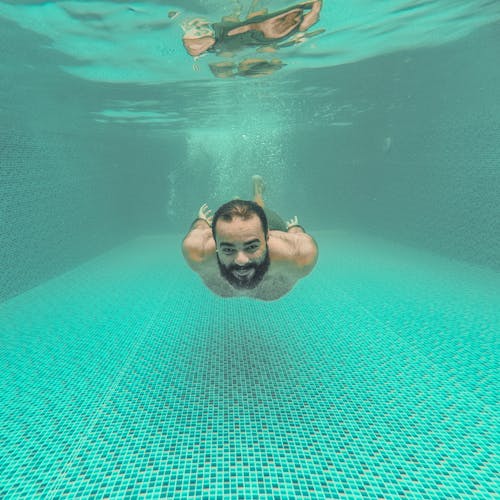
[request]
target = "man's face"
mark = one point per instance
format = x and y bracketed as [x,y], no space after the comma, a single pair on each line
[242,251]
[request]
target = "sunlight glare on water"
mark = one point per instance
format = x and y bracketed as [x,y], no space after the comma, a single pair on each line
[138,42]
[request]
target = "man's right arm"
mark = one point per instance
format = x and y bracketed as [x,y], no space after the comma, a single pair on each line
[199,244]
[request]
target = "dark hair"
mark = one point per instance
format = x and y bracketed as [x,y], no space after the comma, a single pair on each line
[239,208]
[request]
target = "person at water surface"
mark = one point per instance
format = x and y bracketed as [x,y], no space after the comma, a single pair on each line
[261,29]
[245,249]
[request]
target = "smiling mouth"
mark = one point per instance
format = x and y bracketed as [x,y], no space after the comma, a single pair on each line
[243,273]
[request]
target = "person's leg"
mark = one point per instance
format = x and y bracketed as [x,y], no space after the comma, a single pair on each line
[312,16]
[258,190]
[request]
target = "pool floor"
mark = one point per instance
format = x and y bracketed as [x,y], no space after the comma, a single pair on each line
[374,378]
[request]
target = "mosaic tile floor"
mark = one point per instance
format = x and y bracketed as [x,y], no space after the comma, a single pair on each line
[373,378]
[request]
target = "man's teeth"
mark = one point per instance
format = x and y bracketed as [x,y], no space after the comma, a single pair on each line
[242,272]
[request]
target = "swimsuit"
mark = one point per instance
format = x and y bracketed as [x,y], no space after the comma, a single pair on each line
[274,221]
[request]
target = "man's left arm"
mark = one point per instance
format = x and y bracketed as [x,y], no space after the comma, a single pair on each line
[305,253]
[299,247]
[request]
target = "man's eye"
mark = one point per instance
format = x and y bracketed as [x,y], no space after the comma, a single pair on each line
[227,251]
[252,248]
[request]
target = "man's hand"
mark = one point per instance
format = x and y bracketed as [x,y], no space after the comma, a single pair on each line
[204,213]
[294,221]
[199,244]
[293,226]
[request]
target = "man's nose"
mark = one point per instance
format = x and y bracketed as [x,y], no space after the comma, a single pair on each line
[241,258]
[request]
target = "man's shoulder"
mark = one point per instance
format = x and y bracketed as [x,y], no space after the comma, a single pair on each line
[295,251]
[198,251]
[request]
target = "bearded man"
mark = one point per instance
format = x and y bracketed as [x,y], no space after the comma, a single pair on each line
[245,249]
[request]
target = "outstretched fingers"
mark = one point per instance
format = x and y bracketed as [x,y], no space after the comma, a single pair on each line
[294,221]
[205,213]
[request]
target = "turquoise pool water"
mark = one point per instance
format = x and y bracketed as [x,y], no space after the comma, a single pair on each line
[122,376]
[374,378]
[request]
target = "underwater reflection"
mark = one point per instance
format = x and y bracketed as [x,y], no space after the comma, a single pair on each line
[266,31]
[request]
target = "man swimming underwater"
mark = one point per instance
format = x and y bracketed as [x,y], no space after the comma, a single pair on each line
[247,250]
[267,31]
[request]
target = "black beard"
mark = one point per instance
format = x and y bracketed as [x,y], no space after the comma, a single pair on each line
[245,283]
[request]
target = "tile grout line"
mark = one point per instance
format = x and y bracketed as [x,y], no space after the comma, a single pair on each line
[110,391]
[422,356]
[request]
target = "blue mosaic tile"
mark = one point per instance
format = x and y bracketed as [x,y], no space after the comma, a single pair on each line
[126,378]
